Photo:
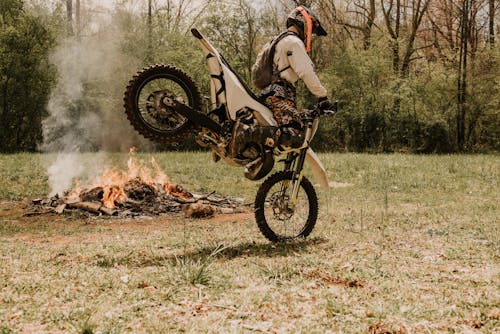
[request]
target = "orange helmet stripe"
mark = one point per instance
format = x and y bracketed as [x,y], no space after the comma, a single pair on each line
[308,34]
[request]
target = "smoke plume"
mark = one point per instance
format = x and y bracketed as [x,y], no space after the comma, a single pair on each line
[85,107]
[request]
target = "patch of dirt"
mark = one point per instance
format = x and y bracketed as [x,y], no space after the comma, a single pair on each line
[14,212]
[60,239]
[230,218]
[329,279]
[9,209]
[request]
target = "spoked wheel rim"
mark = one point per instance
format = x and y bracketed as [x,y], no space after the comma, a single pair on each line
[286,220]
[150,102]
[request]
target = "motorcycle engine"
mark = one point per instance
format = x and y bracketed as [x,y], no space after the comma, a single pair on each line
[251,152]
[243,143]
[253,143]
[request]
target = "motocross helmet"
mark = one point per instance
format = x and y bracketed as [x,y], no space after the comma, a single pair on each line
[307,23]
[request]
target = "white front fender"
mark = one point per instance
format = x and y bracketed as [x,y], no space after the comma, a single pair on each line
[317,168]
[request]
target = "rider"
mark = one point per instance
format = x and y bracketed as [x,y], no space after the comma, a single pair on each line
[293,63]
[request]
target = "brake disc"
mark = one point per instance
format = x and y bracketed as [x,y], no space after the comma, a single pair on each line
[280,207]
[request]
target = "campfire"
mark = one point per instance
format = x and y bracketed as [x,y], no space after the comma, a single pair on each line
[142,189]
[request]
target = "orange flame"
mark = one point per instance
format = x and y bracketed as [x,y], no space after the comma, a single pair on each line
[113,182]
[113,194]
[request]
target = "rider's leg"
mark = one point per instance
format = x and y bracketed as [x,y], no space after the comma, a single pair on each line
[289,119]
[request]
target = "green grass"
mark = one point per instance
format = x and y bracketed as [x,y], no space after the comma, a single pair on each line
[405,240]
[22,175]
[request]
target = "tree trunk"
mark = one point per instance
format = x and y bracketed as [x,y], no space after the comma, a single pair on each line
[370,21]
[150,32]
[462,75]
[419,10]
[5,125]
[492,22]
[69,16]
[77,19]
[395,49]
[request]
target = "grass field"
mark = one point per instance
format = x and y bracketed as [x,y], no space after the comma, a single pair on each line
[403,244]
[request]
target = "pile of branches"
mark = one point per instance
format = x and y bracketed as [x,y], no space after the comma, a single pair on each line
[141,199]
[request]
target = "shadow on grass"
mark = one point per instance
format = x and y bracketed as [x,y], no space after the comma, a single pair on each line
[248,249]
[256,250]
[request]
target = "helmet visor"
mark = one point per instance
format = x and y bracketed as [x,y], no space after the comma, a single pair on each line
[318,29]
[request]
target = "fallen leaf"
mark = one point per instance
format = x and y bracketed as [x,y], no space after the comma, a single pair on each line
[390,327]
[143,285]
[494,314]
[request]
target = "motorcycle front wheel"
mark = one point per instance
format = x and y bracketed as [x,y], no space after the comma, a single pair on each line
[145,107]
[278,219]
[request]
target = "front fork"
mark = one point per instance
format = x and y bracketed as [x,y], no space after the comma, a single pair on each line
[295,162]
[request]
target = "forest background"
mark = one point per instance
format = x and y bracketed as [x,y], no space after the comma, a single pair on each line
[418,76]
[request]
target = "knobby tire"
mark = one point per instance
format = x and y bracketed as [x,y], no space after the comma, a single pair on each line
[260,201]
[133,113]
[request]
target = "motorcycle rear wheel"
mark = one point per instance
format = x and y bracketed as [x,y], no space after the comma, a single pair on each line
[144,107]
[277,219]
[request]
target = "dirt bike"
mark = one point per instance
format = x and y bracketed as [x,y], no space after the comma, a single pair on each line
[164,104]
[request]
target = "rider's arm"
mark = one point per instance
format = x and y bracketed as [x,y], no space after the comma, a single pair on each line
[302,65]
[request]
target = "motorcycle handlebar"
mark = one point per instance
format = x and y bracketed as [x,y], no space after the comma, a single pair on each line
[316,111]
[328,112]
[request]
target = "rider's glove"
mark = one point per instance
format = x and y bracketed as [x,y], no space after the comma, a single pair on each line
[326,106]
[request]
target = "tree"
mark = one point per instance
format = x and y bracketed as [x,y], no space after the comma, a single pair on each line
[358,15]
[25,76]
[396,14]
[234,29]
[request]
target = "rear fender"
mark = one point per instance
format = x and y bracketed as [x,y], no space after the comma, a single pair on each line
[226,87]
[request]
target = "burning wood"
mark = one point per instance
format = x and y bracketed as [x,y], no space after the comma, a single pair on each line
[136,192]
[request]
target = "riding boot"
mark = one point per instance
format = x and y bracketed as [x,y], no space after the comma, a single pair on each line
[291,137]
[245,134]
